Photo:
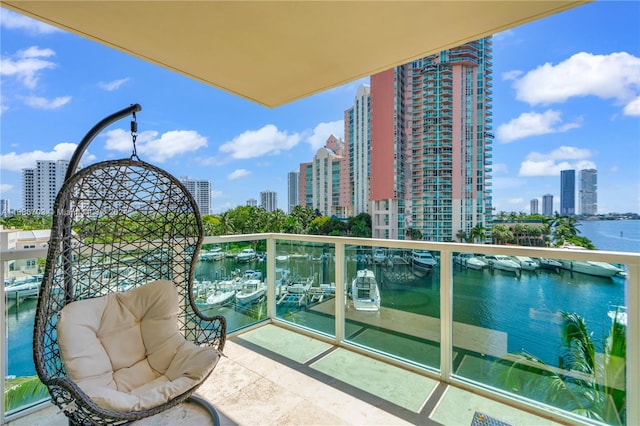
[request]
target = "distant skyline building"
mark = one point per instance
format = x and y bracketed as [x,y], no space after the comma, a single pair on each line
[588,191]
[358,143]
[4,207]
[547,205]
[568,192]
[430,145]
[269,200]
[41,185]
[533,206]
[252,202]
[293,189]
[200,190]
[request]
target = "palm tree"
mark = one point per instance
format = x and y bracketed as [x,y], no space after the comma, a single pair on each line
[583,383]
[461,235]
[477,233]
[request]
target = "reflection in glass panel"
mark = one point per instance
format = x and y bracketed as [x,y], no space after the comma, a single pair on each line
[21,384]
[230,280]
[546,329]
[393,302]
[305,284]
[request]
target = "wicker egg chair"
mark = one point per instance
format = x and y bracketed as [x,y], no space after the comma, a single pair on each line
[125,233]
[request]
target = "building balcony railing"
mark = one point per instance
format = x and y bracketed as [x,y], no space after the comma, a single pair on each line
[462,315]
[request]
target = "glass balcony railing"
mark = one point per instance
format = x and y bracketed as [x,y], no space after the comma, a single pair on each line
[555,331]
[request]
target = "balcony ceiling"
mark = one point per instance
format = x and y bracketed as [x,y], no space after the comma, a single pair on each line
[274,52]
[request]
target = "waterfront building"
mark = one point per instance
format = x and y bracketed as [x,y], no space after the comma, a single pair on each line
[567,192]
[321,180]
[40,185]
[588,191]
[547,205]
[430,146]
[17,239]
[269,200]
[200,190]
[533,206]
[358,142]
[293,189]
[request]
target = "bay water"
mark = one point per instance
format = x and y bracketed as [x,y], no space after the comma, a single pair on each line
[526,307]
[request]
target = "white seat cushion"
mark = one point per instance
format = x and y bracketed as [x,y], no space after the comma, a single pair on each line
[124,349]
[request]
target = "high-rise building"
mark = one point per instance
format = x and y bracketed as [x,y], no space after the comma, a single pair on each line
[547,205]
[321,180]
[293,189]
[4,207]
[430,145]
[357,141]
[269,200]
[534,206]
[588,191]
[567,192]
[200,190]
[252,202]
[40,185]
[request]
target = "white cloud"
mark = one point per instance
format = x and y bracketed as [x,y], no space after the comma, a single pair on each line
[16,162]
[237,174]
[110,86]
[511,75]
[170,144]
[562,158]
[14,21]
[633,107]
[27,65]
[44,103]
[5,187]
[614,76]
[256,143]
[322,132]
[534,124]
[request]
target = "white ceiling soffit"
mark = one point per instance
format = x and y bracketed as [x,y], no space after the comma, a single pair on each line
[274,52]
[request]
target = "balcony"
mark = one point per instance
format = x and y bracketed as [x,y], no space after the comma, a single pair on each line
[430,355]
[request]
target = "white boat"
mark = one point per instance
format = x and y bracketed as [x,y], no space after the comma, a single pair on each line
[224,293]
[23,288]
[423,259]
[252,274]
[379,256]
[598,269]
[246,255]
[470,261]
[551,264]
[251,292]
[527,263]
[282,257]
[213,254]
[365,292]
[502,262]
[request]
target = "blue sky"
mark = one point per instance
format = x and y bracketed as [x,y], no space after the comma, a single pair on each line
[566,95]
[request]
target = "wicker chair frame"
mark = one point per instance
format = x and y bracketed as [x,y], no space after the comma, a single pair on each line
[118,225]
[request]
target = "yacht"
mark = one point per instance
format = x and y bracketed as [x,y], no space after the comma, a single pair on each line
[365,291]
[526,263]
[423,259]
[469,260]
[250,292]
[502,262]
[598,269]
[246,255]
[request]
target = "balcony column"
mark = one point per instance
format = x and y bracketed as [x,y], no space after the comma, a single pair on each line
[340,293]
[633,344]
[446,315]
[271,277]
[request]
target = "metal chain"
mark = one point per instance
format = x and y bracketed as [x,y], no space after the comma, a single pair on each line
[134,136]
